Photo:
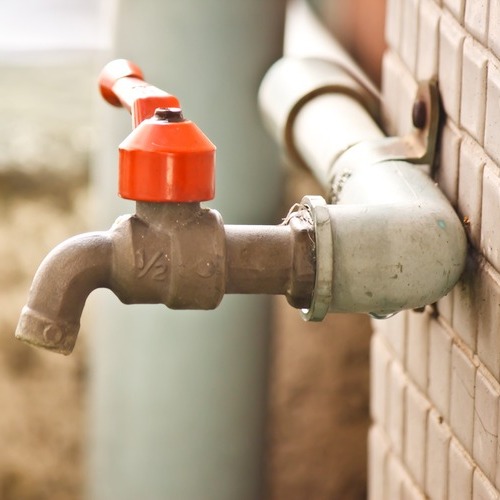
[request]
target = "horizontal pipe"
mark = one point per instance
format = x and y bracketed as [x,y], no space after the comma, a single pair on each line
[259,259]
[275,260]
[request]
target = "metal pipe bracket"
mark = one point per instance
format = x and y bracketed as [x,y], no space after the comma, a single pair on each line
[417,147]
[297,81]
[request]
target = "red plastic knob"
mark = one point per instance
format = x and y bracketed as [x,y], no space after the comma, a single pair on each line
[121,83]
[111,73]
[167,159]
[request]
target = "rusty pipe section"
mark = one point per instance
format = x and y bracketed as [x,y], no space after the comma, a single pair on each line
[177,254]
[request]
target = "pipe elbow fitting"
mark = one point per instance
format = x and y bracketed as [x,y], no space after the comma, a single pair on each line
[396,241]
[387,259]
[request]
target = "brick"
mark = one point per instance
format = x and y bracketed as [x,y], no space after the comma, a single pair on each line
[439,368]
[417,408]
[457,8]
[410,491]
[470,187]
[378,450]
[396,407]
[379,364]
[490,229]
[394,477]
[488,312]
[497,474]
[393,23]
[438,441]
[399,89]
[461,470]
[445,308]
[391,68]
[476,19]
[409,40]
[447,173]
[484,447]
[450,65]
[408,89]
[417,348]
[482,489]
[463,383]
[464,304]
[428,40]
[473,104]
[492,123]
[394,331]
[493,31]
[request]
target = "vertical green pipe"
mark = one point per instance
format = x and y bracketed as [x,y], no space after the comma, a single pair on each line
[177,398]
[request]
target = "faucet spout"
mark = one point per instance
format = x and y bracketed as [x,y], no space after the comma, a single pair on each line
[76,267]
[179,255]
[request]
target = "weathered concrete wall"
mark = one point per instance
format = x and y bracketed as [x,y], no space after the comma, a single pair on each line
[45,138]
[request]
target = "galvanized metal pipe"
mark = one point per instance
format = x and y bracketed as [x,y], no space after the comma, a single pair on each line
[315,110]
[394,241]
[326,127]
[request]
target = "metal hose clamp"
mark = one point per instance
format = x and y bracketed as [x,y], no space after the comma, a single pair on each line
[322,293]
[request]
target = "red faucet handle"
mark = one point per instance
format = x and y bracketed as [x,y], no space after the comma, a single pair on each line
[121,83]
[167,159]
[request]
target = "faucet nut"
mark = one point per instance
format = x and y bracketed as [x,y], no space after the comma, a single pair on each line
[36,329]
[171,115]
[52,334]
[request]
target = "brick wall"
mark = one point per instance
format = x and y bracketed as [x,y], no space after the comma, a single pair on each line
[435,388]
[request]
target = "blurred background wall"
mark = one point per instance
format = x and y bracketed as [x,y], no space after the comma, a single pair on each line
[48,53]
[158,403]
[177,399]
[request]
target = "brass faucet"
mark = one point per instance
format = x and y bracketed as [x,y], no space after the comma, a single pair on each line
[172,251]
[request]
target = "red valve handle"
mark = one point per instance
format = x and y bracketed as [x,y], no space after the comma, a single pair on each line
[166,158]
[121,83]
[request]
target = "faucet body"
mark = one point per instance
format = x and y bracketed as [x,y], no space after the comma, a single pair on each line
[177,254]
